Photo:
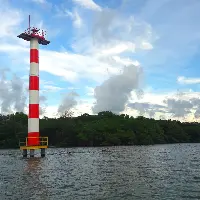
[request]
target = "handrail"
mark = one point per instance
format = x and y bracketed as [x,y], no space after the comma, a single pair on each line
[42,141]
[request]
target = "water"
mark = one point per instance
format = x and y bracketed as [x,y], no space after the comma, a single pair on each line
[136,172]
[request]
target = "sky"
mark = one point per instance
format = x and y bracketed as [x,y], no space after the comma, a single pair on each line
[130,57]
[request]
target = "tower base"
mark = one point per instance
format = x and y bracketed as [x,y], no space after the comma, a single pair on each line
[43,144]
[32,151]
[24,153]
[42,153]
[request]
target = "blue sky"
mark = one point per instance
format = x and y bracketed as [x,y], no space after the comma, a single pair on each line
[91,42]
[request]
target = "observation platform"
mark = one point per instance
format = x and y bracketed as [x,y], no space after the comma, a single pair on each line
[34,33]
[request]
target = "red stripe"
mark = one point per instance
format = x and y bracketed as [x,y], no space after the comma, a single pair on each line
[33,141]
[34,83]
[34,56]
[33,110]
[33,134]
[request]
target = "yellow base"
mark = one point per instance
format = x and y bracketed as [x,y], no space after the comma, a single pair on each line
[33,147]
[42,143]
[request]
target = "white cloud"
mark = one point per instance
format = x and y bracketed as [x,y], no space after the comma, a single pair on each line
[68,102]
[90,91]
[112,28]
[11,48]
[89,4]
[73,15]
[77,20]
[51,111]
[119,48]
[12,93]
[48,86]
[72,67]
[52,88]
[171,46]
[113,35]
[83,107]
[184,80]
[146,45]
[152,105]
[125,61]
[184,106]
[113,93]
[73,88]
[151,97]
[40,1]
[10,21]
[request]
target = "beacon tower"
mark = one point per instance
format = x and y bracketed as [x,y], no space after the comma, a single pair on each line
[34,141]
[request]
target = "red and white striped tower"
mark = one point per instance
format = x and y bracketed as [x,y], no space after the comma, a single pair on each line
[33,116]
[36,37]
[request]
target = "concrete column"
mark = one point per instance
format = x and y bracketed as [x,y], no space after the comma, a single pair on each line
[32,151]
[24,153]
[42,152]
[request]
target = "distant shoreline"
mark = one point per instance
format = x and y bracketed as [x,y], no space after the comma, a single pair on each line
[102,130]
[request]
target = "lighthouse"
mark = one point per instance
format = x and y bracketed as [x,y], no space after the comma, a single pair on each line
[33,142]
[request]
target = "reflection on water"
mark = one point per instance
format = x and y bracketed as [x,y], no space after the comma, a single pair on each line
[137,172]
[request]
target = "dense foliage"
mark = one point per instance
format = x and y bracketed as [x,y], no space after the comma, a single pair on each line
[103,129]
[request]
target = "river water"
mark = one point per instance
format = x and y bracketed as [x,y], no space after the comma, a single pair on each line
[132,172]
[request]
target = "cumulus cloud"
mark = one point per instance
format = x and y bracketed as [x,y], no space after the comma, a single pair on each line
[12,93]
[74,15]
[185,80]
[90,91]
[162,117]
[183,106]
[77,20]
[170,48]
[111,28]
[179,108]
[18,93]
[196,104]
[89,4]
[147,108]
[10,20]
[178,105]
[113,93]
[68,102]
[139,93]
[43,104]
[146,45]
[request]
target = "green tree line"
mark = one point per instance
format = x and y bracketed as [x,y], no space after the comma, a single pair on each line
[104,129]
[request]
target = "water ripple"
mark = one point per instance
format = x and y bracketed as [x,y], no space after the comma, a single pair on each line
[133,172]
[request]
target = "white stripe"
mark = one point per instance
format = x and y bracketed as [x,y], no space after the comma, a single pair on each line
[34,43]
[33,97]
[34,69]
[33,125]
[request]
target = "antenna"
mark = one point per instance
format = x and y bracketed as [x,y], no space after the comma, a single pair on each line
[29,23]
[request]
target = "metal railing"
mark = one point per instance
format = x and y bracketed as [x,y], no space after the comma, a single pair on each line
[34,141]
